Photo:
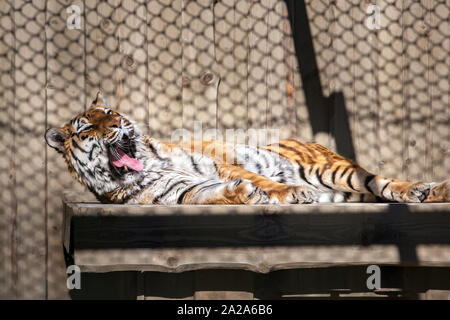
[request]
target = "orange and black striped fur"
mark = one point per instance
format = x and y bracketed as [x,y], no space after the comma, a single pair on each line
[106,152]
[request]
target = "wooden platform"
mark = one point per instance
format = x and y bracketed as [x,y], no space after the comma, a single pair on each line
[257,239]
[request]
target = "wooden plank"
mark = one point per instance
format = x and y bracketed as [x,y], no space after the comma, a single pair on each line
[343,281]
[366,105]
[291,73]
[436,295]
[276,20]
[7,172]
[253,259]
[312,107]
[230,286]
[99,209]
[117,57]
[164,49]
[107,286]
[390,85]
[223,295]
[439,138]
[344,45]
[427,170]
[65,87]
[417,98]
[84,196]
[159,286]
[270,83]
[128,25]
[323,36]
[303,130]
[30,101]
[110,65]
[256,238]
[329,54]
[328,282]
[231,48]
[257,96]
[299,113]
[200,77]
[370,157]
[98,75]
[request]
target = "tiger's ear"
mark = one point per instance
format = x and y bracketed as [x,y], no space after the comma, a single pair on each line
[55,138]
[99,100]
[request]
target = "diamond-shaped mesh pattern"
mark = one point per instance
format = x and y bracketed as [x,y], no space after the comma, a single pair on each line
[227,63]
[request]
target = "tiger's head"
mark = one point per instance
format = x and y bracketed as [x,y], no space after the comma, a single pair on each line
[102,148]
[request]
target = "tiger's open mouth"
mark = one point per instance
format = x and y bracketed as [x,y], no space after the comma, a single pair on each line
[122,156]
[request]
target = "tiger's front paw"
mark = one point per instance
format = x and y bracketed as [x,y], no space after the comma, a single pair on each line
[294,194]
[303,194]
[242,191]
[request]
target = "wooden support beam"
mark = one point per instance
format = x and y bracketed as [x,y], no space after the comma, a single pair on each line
[256,238]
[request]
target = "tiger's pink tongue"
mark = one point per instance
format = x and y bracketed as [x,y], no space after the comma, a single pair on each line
[125,160]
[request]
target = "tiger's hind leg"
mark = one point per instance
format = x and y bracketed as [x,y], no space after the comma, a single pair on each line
[440,192]
[361,186]
[324,169]
[396,190]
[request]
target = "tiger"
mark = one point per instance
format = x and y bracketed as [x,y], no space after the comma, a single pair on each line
[107,153]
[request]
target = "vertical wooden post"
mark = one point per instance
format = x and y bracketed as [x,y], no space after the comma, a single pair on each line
[231,27]
[65,88]
[8,197]
[291,71]
[129,23]
[200,78]
[279,86]
[29,234]
[439,90]
[363,60]
[164,51]
[390,76]
[417,103]
[258,103]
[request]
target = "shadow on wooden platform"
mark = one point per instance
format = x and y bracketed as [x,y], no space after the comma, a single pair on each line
[329,282]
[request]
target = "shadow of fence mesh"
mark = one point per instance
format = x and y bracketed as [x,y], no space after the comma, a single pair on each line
[230,64]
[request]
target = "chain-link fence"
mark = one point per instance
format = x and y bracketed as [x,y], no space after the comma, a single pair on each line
[314,70]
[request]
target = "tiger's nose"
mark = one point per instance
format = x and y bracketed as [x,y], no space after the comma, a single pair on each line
[115,123]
